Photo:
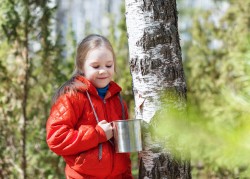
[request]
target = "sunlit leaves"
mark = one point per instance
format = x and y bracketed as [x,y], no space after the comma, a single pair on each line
[217,68]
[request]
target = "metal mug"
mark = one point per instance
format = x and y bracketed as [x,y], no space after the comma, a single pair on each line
[127,135]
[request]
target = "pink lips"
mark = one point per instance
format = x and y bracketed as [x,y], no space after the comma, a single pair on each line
[102,78]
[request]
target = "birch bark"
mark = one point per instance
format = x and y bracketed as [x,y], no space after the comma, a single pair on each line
[156,67]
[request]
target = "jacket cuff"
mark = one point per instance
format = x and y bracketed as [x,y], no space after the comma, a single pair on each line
[101,134]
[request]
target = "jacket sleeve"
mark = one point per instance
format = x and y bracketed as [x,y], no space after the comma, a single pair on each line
[62,137]
[128,173]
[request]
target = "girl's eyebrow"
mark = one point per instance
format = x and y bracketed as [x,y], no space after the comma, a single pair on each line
[94,63]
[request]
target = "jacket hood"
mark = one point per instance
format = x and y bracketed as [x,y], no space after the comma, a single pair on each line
[83,85]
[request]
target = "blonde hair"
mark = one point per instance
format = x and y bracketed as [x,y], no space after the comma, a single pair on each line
[89,43]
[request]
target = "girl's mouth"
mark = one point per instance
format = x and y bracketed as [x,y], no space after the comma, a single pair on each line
[102,78]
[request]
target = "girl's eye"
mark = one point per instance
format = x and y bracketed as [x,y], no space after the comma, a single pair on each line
[95,67]
[109,66]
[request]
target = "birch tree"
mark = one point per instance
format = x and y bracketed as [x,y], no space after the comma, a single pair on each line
[156,68]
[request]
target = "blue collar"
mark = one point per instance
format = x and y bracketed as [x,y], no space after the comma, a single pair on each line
[102,91]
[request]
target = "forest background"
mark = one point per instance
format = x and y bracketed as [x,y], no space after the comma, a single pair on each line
[36,58]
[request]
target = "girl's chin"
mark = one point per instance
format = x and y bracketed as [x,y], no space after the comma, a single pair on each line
[101,85]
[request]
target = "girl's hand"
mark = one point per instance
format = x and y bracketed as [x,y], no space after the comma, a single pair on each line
[107,128]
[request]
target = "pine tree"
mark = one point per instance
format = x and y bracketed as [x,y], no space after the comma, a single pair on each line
[31,63]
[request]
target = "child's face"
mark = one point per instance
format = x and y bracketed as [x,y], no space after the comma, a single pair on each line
[99,67]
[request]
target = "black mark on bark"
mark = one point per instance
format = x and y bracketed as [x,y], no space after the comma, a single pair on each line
[162,10]
[152,36]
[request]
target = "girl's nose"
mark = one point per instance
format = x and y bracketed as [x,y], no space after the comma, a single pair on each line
[102,71]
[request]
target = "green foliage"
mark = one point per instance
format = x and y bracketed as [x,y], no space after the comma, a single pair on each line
[27,29]
[220,148]
[223,67]
[217,70]
[29,68]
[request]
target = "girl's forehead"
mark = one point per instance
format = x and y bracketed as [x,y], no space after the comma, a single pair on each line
[101,53]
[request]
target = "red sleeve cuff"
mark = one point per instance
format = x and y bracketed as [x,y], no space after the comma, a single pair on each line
[101,134]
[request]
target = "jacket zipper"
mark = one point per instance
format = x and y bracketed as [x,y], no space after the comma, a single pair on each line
[105,110]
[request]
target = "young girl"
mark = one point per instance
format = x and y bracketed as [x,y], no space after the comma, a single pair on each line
[78,127]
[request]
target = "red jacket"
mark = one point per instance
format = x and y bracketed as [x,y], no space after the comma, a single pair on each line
[73,133]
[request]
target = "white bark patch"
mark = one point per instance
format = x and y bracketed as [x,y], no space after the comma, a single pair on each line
[145,108]
[145,87]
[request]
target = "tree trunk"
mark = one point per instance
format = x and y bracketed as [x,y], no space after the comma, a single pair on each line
[25,87]
[156,68]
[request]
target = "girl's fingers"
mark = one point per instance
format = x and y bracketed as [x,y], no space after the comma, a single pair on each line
[103,122]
